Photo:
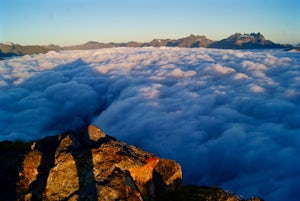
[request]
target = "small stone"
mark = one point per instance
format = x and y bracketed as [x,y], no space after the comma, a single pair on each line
[95,133]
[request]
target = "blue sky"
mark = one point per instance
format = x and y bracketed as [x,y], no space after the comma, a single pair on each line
[67,22]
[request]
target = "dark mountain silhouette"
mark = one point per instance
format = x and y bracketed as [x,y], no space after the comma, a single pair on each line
[235,41]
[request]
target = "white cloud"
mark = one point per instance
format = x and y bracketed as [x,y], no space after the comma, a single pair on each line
[239,76]
[3,83]
[256,88]
[179,73]
[222,69]
[231,118]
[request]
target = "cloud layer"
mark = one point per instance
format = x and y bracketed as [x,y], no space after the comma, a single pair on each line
[231,118]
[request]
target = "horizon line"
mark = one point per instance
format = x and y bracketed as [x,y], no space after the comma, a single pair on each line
[138,41]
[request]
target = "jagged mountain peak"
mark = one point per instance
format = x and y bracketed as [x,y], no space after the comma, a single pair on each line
[237,36]
[245,41]
[192,41]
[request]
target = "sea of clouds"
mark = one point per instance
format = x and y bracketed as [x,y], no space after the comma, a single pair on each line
[230,118]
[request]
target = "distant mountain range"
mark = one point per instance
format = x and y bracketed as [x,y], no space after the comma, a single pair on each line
[191,41]
[235,41]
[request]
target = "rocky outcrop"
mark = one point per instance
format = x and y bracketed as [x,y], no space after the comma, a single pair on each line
[88,166]
[91,165]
